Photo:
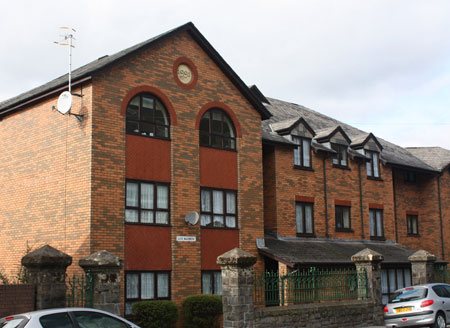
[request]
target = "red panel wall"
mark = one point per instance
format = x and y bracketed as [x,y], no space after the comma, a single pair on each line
[147,159]
[218,168]
[215,242]
[147,248]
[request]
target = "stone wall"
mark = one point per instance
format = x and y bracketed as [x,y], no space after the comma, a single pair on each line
[358,313]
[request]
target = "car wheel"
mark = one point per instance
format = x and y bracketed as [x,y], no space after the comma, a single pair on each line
[440,321]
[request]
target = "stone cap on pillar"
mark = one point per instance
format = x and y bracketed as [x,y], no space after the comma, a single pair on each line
[101,259]
[46,256]
[367,255]
[422,256]
[237,257]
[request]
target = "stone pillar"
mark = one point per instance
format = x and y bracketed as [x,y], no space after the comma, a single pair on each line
[237,288]
[105,270]
[422,267]
[47,270]
[370,261]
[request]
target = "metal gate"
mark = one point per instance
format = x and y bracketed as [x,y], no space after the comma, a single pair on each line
[80,291]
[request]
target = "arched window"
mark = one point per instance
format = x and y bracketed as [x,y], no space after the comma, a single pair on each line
[217,130]
[147,116]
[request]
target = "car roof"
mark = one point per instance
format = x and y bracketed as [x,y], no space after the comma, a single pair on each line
[40,313]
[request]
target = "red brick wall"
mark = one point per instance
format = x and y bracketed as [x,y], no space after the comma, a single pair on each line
[270,191]
[154,67]
[16,299]
[445,202]
[45,180]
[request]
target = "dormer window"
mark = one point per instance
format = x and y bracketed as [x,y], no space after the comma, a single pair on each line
[302,154]
[340,158]
[373,165]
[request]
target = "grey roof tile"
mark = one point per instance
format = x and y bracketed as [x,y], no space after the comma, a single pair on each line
[437,157]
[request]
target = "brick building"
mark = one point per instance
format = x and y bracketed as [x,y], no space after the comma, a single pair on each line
[166,131]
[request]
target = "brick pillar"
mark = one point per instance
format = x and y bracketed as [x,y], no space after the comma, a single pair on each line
[422,267]
[370,261]
[47,270]
[237,288]
[105,270]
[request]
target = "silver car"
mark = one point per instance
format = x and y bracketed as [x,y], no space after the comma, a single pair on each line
[66,318]
[418,306]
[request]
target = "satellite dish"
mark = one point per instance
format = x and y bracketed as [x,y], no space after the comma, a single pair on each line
[64,102]
[191,218]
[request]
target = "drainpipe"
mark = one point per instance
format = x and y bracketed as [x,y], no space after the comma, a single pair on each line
[395,204]
[325,195]
[361,201]
[440,215]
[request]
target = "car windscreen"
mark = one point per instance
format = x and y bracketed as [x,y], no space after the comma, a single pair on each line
[13,321]
[409,294]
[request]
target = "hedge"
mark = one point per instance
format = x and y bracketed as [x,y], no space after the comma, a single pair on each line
[155,314]
[202,311]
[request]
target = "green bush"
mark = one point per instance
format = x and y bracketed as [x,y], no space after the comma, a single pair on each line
[155,314]
[202,311]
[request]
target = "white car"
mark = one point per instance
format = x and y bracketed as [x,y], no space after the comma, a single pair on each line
[66,318]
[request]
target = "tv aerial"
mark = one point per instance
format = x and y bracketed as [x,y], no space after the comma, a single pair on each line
[64,103]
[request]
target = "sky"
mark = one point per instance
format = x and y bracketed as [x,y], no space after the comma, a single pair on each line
[382,66]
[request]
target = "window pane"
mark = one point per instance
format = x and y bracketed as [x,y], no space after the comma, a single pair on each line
[147,195]
[299,218]
[400,278]
[132,126]
[204,123]
[346,217]
[133,112]
[216,122]
[147,114]
[218,221]
[407,277]
[132,285]
[148,103]
[146,129]
[162,131]
[147,285]
[231,221]
[336,159]
[205,220]
[129,307]
[414,226]
[206,201]
[132,194]
[227,127]
[231,203]
[384,282]
[216,141]
[376,172]
[228,143]
[146,216]
[392,284]
[217,201]
[162,217]
[206,283]
[60,320]
[204,140]
[308,219]
[372,222]
[338,216]
[297,156]
[306,153]
[163,285]
[379,223]
[131,215]
[218,283]
[369,168]
[343,151]
[163,197]
[160,114]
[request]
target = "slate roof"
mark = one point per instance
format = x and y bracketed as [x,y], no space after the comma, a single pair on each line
[437,157]
[284,111]
[314,251]
[102,62]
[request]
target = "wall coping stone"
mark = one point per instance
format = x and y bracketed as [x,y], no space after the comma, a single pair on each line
[46,256]
[422,256]
[367,255]
[237,257]
[101,259]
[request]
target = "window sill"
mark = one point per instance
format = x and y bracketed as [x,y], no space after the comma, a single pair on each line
[218,228]
[149,224]
[218,148]
[381,238]
[374,178]
[151,137]
[337,166]
[309,235]
[416,235]
[304,168]
[344,230]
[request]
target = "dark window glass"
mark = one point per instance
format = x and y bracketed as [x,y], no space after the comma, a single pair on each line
[302,154]
[147,116]
[304,217]
[342,214]
[373,166]
[376,223]
[218,208]
[393,279]
[410,177]
[60,320]
[147,202]
[149,285]
[217,130]
[212,282]
[97,320]
[340,158]
[412,222]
